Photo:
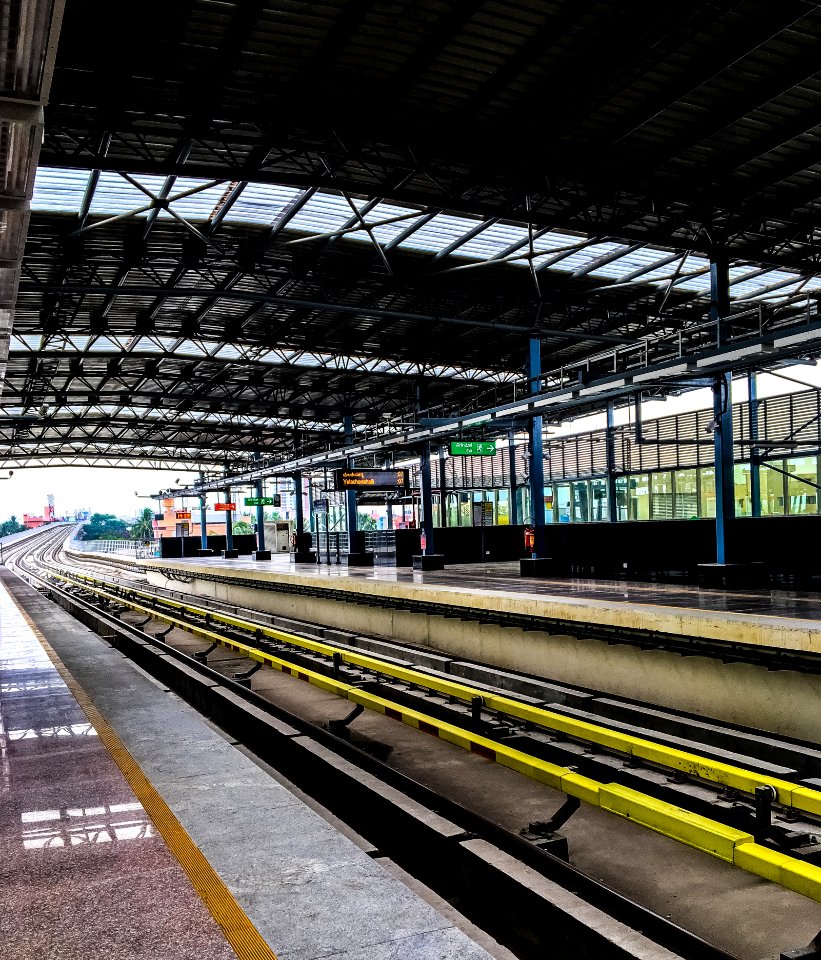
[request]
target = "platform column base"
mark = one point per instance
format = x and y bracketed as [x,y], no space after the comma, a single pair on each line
[727,576]
[261,554]
[305,556]
[230,554]
[429,561]
[537,567]
[205,553]
[359,559]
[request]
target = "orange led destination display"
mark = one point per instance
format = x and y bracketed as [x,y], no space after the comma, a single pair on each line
[225,506]
[370,479]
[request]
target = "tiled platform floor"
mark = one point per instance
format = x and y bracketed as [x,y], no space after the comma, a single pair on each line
[83,872]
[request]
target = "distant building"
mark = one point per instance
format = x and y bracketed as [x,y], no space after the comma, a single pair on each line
[168,524]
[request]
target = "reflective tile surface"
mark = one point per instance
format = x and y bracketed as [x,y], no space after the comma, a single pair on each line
[83,873]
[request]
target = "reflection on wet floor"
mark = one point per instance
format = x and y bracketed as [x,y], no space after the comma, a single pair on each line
[83,871]
[504,578]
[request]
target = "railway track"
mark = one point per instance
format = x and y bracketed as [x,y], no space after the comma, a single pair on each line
[762,814]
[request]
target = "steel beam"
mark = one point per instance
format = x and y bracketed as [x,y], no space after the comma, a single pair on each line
[534,370]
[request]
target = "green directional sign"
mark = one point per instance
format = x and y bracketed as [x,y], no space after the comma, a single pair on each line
[472,448]
[259,501]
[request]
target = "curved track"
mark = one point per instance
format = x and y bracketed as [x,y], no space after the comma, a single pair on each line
[758,813]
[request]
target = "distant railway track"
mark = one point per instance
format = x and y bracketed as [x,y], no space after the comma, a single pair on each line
[759,814]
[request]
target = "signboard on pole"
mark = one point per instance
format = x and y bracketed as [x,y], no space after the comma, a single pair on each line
[183,514]
[263,501]
[472,448]
[352,479]
[320,506]
[225,507]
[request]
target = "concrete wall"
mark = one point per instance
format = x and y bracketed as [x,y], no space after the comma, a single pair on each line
[737,693]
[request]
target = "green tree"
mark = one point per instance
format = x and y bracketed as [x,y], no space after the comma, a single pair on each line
[104,526]
[10,526]
[242,526]
[364,521]
[143,529]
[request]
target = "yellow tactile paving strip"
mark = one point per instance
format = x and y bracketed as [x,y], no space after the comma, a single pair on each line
[240,932]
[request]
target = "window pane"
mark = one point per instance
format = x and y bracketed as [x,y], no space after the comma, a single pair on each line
[686,501]
[661,485]
[598,500]
[772,491]
[502,508]
[549,501]
[802,498]
[581,509]
[743,501]
[707,483]
[621,498]
[563,502]
[638,492]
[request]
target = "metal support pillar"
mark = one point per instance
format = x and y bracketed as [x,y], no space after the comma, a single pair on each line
[298,502]
[203,523]
[229,553]
[511,465]
[722,411]
[260,512]
[610,437]
[755,466]
[427,500]
[350,495]
[534,370]
[724,466]
[443,513]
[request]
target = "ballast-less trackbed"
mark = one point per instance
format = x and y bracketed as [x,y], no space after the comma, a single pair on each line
[731,833]
[503,891]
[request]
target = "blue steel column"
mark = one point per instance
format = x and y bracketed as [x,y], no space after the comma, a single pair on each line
[427,500]
[722,412]
[755,468]
[612,504]
[298,501]
[443,491]
[534,370]
[229,522]
[203,525]
[350,495]
[260,518]
[511,466]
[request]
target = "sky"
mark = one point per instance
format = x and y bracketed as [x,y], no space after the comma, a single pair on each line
[126,492]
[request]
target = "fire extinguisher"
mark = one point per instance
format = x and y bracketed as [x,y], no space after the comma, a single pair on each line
[530,539]
[423,541]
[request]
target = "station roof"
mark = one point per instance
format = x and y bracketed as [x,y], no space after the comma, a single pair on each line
[252,219]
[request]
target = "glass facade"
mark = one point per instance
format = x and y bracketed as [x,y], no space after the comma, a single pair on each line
[658,495]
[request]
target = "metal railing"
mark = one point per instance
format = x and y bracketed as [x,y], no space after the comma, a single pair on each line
[140,549]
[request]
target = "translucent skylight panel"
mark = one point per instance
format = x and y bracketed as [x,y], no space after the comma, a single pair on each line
[322,213]
[439,233]
[59,191]
[587,255]
[699,284]
[262,203]
[492,242]
[115,195]
[196,206]
[386,233]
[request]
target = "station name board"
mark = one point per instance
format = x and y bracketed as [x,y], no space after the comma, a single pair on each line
[183,514]
[225,506]
[371,480]
[275,501]
[472,448]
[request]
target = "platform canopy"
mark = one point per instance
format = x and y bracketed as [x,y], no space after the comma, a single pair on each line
[253,219]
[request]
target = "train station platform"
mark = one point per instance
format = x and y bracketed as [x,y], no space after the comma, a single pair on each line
[741,657]
[130,826]
[775,619]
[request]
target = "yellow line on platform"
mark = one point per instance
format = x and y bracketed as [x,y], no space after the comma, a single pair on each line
[239,931]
